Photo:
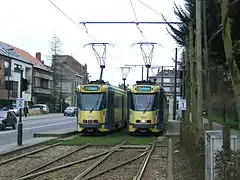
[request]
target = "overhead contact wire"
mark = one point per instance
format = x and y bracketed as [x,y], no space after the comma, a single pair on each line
[74,22]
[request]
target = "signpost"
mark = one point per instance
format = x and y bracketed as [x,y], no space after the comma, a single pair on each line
[20,103]
[182,104]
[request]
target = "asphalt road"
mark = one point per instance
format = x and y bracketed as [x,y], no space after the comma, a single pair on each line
[50,123]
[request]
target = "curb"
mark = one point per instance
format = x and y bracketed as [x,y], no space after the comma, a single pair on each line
[63,135]
[170,161]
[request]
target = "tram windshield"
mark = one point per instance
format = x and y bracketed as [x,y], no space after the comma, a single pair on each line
[91,101]
[144,102]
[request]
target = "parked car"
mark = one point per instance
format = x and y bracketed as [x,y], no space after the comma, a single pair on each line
[70,111]
[8,118]
[43,108]
[13,109]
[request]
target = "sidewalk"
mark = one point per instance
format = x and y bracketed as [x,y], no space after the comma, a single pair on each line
[43,116]
[13,146]
[217,126]
[173,128]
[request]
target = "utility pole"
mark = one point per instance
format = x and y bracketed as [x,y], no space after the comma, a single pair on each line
[206,65]
[186,83]
[192,74]
[199,62]
[162,75]
[175,87]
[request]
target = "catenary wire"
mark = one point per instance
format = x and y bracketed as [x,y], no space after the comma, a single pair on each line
[70,19]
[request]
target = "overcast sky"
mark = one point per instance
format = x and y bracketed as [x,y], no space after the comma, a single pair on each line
[30,24]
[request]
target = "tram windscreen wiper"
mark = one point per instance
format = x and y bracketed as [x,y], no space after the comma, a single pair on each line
[149,103]
[97,102]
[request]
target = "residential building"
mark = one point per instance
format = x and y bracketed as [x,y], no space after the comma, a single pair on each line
[10,76]
[167,76]
[42,78]
[69,73]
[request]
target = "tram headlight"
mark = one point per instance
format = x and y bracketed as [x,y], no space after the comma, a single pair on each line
[143,121]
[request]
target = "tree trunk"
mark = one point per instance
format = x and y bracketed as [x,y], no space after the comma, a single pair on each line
[206,65]
[228,48]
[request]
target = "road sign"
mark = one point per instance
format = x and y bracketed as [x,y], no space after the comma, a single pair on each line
[182,104]
[20,103]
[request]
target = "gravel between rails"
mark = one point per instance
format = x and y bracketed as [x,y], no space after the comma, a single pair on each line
[157,164]
[16,168]
[20,152]
[72,171]
[155,169]
[125,172]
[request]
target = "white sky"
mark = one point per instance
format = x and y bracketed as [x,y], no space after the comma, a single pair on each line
[30,24]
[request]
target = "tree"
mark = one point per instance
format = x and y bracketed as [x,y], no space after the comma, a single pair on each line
[218,56]
[228,48]
[56,49]
[56,45]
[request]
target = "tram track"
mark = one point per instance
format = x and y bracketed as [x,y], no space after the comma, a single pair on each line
[89,162]
[46,170]
[135,163]
[34,160]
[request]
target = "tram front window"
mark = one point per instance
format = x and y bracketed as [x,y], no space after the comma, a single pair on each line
[92,102]
[144,102]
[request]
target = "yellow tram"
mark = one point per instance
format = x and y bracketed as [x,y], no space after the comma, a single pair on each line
[147,109]
[102,107]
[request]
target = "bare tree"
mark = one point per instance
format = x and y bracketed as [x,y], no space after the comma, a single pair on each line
[56,49]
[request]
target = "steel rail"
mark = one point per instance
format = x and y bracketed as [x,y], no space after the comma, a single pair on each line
[55,160]
[144,164]
[112,150]
[117,166]
[28,153]
[62,166]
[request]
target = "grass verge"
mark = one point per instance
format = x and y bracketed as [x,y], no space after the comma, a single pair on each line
[140,140]
[107,140]
[110,139]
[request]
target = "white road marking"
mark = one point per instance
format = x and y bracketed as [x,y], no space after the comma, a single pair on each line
[37,127]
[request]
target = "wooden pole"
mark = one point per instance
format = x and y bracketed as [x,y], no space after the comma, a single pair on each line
[187,84]
[199,62]
[192,72]
[206,65]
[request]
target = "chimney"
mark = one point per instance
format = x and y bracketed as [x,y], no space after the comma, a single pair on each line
[38,56]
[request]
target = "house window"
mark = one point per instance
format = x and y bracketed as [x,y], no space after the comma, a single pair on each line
[167,89]
[44,83]
[14,88]
[16,66]
[178,89]
[36,82]
[166,80]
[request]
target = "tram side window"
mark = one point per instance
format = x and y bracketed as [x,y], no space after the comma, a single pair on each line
[118,101]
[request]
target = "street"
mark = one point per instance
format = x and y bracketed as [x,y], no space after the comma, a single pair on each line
[50,123]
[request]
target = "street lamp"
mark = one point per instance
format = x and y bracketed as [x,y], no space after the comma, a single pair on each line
[20,125]
[125,70]
[8,73]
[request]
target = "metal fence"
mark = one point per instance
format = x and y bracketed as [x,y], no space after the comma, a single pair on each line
[213,143]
